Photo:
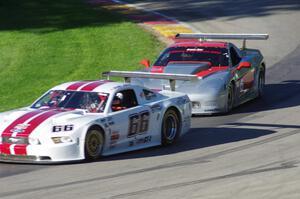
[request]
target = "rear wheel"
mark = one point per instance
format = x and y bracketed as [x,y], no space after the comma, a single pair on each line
[170,127]
[93,145]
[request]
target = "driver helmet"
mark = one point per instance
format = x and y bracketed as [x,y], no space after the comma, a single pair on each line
[118,98]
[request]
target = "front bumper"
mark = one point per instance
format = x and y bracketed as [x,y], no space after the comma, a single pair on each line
[206,105]
[40,154]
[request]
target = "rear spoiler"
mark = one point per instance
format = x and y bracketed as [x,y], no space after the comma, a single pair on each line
[169,76]
[205,36]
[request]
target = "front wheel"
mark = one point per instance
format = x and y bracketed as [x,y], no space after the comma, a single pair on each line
[93,145]
[230,98]
[170,127]
[261,84]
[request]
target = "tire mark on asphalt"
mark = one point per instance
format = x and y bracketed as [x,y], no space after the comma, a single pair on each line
[284,165]
[194,161]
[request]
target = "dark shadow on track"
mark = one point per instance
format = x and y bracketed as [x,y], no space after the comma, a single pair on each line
[203,10]
[275,95]
[197,138]
[45,16]
[9,169]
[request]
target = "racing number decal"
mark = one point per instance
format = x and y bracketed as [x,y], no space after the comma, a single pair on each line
[60,128]
[144,122]
[138,123]
[133,124]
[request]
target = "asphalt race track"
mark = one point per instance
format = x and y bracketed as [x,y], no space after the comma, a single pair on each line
[252,153]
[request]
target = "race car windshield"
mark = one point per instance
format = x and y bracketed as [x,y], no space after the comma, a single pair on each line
[92,102]
[216,56]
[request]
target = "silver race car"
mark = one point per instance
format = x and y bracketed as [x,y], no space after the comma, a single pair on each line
[227,76]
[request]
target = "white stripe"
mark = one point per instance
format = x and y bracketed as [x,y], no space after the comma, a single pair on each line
[12,149]
[29,120]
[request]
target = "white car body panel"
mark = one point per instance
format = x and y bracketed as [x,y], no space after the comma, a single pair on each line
[38,124]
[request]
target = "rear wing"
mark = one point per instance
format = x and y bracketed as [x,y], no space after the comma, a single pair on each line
[205,36]
[168,76]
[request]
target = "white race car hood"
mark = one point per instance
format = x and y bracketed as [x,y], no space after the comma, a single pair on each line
[24,122]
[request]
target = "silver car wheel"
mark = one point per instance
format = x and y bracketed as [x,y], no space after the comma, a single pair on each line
[261,84]
[230,97]
[170,127]
[94,142]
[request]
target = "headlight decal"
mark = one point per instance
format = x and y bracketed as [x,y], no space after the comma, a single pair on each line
[62,139]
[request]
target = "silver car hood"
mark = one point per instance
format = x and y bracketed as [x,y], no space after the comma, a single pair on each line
[214,82]
[185,68]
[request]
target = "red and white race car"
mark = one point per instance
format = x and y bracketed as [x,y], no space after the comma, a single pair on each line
[87,119]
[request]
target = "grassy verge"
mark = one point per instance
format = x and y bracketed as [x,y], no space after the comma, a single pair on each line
[44,43]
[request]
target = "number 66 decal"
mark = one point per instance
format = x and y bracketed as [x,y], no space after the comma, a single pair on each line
[60,128]
[138,123]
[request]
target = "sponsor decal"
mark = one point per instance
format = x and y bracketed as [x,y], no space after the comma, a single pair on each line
[14,140]
[19,128]
[115,135]
[143,140]
[156,107]
[110,121]
[103,120]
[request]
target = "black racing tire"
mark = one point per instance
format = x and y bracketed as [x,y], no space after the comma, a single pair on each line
[170,127]
[230,98]
[261,84]
[93,145]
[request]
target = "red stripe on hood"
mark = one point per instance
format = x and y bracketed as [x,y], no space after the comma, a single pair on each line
[211,70]
[20,120]
[21,149]
[33,124]
[91,86]
[75,86]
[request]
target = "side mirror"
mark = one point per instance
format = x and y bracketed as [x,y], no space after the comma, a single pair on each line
[145,62]
[244,64]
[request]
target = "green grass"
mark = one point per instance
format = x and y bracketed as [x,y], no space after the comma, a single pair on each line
[44,43]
